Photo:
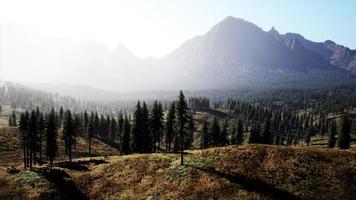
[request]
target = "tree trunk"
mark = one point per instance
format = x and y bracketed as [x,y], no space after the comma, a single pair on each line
[181,146]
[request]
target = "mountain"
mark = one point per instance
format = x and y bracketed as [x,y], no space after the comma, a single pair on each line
[335,54]
[237,53]
[233,53]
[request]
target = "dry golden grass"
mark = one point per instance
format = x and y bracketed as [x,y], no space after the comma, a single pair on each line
[248,172]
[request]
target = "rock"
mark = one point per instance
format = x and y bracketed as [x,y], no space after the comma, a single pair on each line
[12,170]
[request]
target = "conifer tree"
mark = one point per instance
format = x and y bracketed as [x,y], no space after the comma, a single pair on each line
[113,129]
[120,127]
[223,135]
[125,144]
[239,134]
[188,141]
[254,134]
[266,133]
[233,134]
[85,123]
[61,116]
[24,129]
[146,139]
[10,121]
[51,138]
[137,129]
[182,120]
[332,135]
[14,119]
[156,124]
[68,133]
[170,129]
[90,133]
[344,137]
[206,137]
[33,137]
[41,132]
[214,130]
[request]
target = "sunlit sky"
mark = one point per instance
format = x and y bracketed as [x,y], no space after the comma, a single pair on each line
[156,27]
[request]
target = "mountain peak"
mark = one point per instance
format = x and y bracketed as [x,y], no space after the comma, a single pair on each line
[274,31]
[329,42]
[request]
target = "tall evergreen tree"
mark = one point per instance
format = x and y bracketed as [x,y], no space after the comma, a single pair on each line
[14,119]
[156,124]
[33,137]
[24,130]
[344,137]
[182,120]
[223,135]
[137,129]
[146,139]
[332,135]
[170,129]
[254,134]
[239,134]
[233,134]
[51,138]
[206,136]
[125,144]
[120,127]
[68,133]
[113,129]
[41,133]
[214,130]
[266,133]
[85,123]
[61,116]
[90,133]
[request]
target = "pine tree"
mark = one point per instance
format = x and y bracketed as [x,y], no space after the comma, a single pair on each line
[41,132]
[332,135]
[214,130]
[120,127]
[33,137]
[113,129]
[86,123]
[188,141]
[233,134]
[254,134]
[137,129]
[206,137]
[51,137]
[125,144]
[344,137]
[146,139]
[239,134]
[223,135]
[68,133]
[182,120]
[14,119]
[90,133]
[10,121]
[24,129]
[156,124]
[77,129]
[170,129]
[266,133]
[61,116]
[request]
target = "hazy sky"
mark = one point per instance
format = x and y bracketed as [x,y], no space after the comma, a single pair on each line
[155,27]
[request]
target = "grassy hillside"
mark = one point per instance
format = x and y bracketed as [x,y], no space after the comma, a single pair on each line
[246,172]
[11,150]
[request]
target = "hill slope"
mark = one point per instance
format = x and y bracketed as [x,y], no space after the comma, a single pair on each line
[248,172]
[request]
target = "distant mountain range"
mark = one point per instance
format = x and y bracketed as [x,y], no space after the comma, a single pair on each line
[233,53]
